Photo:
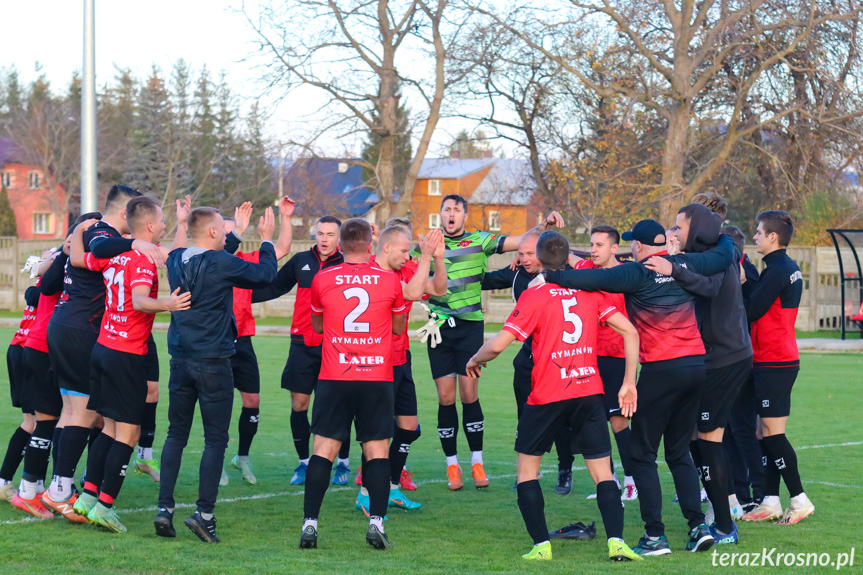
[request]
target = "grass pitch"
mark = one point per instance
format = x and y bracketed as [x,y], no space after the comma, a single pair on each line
[465,532]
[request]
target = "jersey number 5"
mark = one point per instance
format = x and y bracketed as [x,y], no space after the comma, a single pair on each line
[351,325]
[571,337]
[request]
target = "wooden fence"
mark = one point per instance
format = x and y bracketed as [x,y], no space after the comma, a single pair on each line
[820,308]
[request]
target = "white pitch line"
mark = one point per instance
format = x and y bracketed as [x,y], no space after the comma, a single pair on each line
[836,484]
[846,444]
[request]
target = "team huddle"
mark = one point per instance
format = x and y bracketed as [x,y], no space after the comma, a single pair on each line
[714,340]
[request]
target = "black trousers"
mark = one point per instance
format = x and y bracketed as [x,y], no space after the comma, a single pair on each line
[668,402]
[746,464]
[209,382]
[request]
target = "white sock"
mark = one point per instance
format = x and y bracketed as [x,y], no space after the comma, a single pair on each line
[771,500]
[243,457]
[377,522]
[5,482]
[451,460]
[145,453]
[40,486]
[393,486]
[800,500]
[543,543]
[628,480]
[27,489]
[346,462]
[206,516]
[475,457]
[616,539]
[61,488]
[306,460]
[312,522]
[364,491]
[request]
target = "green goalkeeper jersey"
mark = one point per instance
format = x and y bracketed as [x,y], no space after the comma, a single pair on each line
[466,259]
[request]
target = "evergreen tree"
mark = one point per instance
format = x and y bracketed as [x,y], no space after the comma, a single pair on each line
[403,152]
[8,227]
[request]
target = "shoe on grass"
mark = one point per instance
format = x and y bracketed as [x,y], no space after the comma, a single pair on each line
[164,523]
[564,482]
[205,529]
[377,538]
[541,552]
[148,467]
[770,509]
[700,539]
[407,481]
[400,500]
[651,546]
[309,538]
[480,479]
[66,508]
[299,477]
[107,518]
[618,550]
[577,531]
[732,538]
[245,467]
[342,474]
[799,509]
[34,506]
[455,479]
[84,504]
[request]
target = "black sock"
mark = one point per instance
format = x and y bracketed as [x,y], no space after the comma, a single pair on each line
[622,439]
[317,481]
[473,423]
[56,435]
[363,462]
[447,428]
[14,453]
[610,507]
[247,427]
[345,450]
[94,434]
[400,447]
[376,476]
[532,506]
[38,450]
[714,476]
[771,473]
[96,463]
[116,464]
[74,440]
[563,444]
[784,458]
[695,452]
[300,431]
[148,426]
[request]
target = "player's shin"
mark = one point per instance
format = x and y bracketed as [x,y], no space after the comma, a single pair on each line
[317,481]
[399,450]
[116,465]
[611,508]
[376,478]
[532,506]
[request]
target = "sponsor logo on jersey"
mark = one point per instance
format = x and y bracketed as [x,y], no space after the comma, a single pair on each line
[306,268]
[361,359]
[566,373]
[464,243]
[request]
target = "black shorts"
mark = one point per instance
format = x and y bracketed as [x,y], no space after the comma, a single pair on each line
[721,388]
[151,361]
[244,364]
[368,404]
[18,388]
[538,425]
[404,390]
[773,391]
[118,385]
[302,368]
[70,351]
[41,383]
[458,344]
[611,370]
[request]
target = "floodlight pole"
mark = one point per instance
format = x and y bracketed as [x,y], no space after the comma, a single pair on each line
[88,112]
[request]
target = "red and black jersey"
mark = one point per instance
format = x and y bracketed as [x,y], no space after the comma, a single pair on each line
[243,300]
[563,324]
[123,328]
[299,271]
[771,306]
[609,343]
[28,318]
[357,302]
[402,343]
[37,337]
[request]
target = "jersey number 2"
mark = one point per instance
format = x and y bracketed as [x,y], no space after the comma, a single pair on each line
[351,325]
[571,337]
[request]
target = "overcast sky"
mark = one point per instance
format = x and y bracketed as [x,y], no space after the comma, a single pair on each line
[138,35]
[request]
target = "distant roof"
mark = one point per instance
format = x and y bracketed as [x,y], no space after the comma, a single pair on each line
[334,178]
[451,168]
[10,152]
[509,182]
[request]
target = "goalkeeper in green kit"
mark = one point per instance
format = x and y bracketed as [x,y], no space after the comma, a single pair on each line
[455,332]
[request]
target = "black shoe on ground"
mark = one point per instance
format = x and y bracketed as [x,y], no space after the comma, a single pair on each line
[164,523]
[309,538]
[377,538]
[203,528]
[700,539]
[578,531]
[564,482]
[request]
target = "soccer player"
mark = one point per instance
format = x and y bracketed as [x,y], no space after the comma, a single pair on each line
[356,306]
[728,361]
[459,317]
[393,255]
[771,306]
[118,374]
[303,366]
[566,391]
[672,371]
[604,245]
[247,378]
[201,342]
[72,333]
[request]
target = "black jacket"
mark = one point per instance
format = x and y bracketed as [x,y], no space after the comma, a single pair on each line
[207,329]
[719,307]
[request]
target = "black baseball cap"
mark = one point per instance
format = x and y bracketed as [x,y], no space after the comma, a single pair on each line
[645,232]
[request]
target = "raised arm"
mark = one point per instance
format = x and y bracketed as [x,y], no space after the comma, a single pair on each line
[553,219]
[52,279]
[286,229]
[625,278]
[245,274]
[420,284]
[183,209]
[711,262]
[77,255]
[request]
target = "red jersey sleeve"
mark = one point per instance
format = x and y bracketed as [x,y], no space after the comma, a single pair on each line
[316,296]
[607,307]
[522,321]
[93,263]
[399,298]
[144,273]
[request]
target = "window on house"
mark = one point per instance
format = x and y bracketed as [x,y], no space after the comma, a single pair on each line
[434,187]
[35,180]
[343,167]
[434,221]
[5,179]
[494,221]
[41,223]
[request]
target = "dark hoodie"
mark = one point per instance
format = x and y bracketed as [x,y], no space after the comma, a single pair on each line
[719,307]
[207,329]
